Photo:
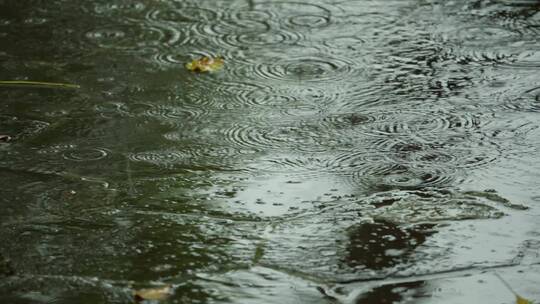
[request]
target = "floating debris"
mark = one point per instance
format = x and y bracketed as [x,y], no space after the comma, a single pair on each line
[158,293]
[38,84]
[205,64]
[5,138]
[519,299]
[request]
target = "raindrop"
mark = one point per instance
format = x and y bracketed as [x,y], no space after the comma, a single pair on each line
[82,155]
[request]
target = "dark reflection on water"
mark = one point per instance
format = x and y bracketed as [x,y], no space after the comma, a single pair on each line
[383,244]
[343,141]
[393,293]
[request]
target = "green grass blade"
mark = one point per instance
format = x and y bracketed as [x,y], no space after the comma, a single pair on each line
[38,84]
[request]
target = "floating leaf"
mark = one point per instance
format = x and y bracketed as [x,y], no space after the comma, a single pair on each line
[205,64]
[520,300]
[5,138]
[158,293]
[38,84]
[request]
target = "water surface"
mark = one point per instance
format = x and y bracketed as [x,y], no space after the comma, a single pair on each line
[349,151]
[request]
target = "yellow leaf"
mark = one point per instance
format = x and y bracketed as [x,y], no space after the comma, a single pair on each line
[520,300]
[159,293]
[205,64]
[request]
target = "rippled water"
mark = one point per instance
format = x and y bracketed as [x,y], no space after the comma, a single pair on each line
[349,151]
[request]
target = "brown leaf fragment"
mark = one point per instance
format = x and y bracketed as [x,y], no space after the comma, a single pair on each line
[158,293]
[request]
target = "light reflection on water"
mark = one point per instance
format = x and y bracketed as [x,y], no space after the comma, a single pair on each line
[330,158]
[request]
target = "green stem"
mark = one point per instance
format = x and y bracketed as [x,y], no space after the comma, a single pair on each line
[506,284]
[38,83]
